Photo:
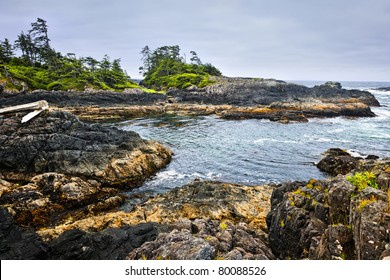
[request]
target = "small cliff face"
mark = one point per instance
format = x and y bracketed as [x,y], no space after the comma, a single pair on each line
[347,217]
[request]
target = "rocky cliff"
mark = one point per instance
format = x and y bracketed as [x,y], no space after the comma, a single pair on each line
[346,217]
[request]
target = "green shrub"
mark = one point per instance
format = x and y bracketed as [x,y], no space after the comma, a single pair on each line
[363,180]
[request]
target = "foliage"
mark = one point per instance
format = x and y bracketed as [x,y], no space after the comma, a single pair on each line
[363,180]
[41,67]
[165,68]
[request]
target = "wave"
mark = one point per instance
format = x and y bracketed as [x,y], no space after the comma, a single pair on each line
[324,139]
[262,140]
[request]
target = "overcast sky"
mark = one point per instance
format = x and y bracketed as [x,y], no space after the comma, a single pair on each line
[283,39]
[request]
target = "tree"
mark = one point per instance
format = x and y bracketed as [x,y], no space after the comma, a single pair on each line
[6,50]
[195,59]
[26,45]
[40,39]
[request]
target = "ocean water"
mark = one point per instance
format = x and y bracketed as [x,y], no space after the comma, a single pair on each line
[256,152]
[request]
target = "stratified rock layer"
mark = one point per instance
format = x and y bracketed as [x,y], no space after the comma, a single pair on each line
[59,142]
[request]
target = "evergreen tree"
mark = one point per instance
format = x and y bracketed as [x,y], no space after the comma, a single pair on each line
[6,50]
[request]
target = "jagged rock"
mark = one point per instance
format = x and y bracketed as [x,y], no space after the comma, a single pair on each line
[109,244]
[370,221]
[332,219]
[17,243]
[205,240]
[336,244]
[339,198]
[59,142]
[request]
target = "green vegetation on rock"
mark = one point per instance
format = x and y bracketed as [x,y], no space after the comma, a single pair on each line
[40,67]
[165,68]
[362,180]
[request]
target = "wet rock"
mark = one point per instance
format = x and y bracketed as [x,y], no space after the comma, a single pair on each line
[59,142]
[337,161]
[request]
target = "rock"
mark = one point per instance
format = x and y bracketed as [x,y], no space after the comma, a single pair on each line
[109,244]
[336,244]
[370,223]
[208,200]
[337,161]
[59,142]
[230,98]
[17,243]
[339,198]
[335,85]
[51,198]
[332,219]
[205,240]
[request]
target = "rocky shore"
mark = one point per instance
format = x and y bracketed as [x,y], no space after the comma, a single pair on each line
[229,98]
[62,183]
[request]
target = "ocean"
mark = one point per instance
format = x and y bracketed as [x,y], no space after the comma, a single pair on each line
[255,152]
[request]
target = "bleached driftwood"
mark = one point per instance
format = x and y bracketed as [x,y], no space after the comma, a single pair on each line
[38,106]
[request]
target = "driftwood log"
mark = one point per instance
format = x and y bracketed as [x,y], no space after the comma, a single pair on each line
[38,106]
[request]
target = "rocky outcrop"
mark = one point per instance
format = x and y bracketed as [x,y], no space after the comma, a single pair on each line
[205,240]
[52,198]
[338,161]
[17,243]
[333,219]
[230,98]
[252,92]
[59,142]
[197,200]
[109,244]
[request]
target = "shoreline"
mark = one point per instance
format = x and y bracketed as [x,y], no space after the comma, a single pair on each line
[62,181]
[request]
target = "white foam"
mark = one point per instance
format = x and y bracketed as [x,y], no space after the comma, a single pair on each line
[262,140]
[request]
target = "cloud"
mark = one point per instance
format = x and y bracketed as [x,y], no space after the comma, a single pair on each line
[330,39]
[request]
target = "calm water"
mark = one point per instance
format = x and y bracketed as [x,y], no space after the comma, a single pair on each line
[256,151]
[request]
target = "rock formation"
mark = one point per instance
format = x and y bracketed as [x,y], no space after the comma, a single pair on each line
[341,218]
[59,142]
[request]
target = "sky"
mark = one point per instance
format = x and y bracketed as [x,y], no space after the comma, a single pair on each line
[340,40]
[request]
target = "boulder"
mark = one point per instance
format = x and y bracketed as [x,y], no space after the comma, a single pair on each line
[337,161]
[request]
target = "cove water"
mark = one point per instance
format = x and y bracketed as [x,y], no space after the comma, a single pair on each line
[254,152]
